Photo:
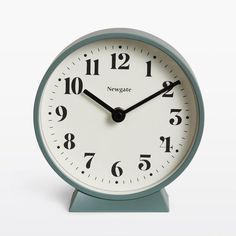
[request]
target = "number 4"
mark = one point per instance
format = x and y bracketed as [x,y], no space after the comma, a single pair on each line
[166,143]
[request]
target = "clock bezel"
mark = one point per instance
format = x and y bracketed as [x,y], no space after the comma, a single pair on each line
[123,33]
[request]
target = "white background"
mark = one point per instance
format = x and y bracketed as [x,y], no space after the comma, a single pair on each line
[33,199]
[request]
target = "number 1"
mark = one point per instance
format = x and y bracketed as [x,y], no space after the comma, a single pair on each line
[148,69]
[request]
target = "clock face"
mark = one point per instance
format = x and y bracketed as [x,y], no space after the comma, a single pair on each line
[96,131]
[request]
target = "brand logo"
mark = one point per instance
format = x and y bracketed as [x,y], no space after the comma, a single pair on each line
[118,90]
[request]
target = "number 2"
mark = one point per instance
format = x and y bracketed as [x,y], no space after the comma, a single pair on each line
[168,92]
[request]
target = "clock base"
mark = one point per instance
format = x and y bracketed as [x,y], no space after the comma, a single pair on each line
[156,202]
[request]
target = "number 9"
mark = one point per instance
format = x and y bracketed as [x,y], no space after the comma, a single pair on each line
[62,112]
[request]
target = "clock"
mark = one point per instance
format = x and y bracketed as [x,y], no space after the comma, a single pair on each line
[119,115]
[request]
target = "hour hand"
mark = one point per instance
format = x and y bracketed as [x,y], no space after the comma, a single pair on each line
[98,100]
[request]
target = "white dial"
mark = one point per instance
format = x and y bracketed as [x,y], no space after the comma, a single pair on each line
[133,150]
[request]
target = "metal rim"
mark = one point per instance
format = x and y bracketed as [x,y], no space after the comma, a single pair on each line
[123,33]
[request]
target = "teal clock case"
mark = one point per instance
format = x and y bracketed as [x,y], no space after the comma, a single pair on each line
[97,201]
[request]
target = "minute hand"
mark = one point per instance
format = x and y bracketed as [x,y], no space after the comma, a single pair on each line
[153,96]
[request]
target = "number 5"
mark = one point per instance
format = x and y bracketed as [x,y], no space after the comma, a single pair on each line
[144,163]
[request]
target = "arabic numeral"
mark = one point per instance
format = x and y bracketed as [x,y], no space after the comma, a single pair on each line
[69,144]
[61,112]
[122,57]
[144,162]
[116,170]
[90,156]
[88,67]
[177,119]
[165,143]
[149,63]
[168,92]
[75,86]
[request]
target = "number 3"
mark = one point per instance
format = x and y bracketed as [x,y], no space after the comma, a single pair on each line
[177,120]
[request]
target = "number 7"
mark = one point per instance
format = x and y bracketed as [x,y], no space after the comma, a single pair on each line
[91,155]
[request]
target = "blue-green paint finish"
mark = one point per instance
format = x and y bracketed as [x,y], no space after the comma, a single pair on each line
[121,33]
[156,202]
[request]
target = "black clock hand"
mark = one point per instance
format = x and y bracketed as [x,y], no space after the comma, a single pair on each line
[98,100]
[152,96]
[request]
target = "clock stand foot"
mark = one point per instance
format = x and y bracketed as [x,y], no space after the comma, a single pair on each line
[156,202]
